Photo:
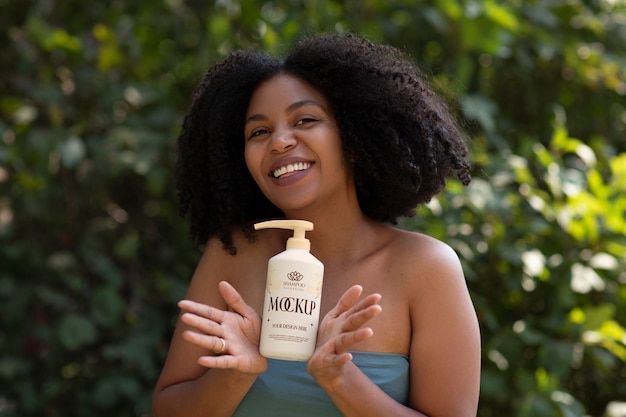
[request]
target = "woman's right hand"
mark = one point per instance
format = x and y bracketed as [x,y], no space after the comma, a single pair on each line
[239,328]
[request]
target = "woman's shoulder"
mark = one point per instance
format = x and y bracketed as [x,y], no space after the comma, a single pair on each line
[421,248]
[258,244]
[219,264]
[421,259]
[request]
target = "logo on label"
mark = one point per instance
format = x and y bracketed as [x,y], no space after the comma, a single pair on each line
[295,276]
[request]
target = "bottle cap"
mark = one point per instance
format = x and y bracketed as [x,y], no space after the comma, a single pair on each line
[299,227]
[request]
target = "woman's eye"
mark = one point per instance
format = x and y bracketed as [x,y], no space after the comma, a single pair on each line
[258,132]
[305,121]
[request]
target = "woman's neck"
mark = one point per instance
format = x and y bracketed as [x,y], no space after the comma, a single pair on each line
[336,240]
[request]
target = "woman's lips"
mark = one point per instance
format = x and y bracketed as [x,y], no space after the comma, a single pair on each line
[291,169]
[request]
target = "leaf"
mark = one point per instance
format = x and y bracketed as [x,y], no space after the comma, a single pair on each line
[127,246]
[567,404]
[585,279]
[72,152]
[75,332]
[110,389]
[480,108]
[108,306]
[501,15]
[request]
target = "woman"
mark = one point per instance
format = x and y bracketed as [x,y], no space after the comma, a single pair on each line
[344,133]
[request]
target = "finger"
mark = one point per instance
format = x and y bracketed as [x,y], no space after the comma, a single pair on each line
[362,311]
[368,301]
[209,343]
[347,300]
[234,300]
[345,340]
[364,304]
[202,310]
[357,319]
[221,361]
[202,324]
[338,359]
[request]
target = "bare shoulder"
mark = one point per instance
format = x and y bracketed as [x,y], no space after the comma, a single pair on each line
[430,272]
[243,269]
[425,257]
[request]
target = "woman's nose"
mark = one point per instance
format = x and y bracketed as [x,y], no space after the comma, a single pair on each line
[282,141]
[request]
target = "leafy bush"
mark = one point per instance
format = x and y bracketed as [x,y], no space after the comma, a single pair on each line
[546,268]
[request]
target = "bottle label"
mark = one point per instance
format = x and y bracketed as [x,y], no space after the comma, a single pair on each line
[291,312]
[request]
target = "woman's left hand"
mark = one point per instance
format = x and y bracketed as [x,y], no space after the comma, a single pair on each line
[341,328]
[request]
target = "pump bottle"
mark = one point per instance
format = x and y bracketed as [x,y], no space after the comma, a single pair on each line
[293,294]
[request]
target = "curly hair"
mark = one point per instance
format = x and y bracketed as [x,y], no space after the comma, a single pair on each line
[399,136]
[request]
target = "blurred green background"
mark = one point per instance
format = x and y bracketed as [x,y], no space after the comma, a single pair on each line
[94,256]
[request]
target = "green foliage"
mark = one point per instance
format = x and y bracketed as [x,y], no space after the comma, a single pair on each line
[93,255]
[545,264]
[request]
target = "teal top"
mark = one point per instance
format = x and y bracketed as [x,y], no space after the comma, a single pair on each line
[286,389]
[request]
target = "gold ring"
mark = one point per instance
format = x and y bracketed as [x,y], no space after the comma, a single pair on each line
[223,348]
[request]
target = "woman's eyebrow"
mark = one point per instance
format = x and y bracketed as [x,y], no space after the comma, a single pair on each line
[255,118]
[302,103]
[292,107]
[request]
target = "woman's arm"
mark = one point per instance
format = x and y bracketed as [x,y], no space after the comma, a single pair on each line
[195,380]
[445,342]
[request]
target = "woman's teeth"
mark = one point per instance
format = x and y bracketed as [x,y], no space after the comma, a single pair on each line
[290,169]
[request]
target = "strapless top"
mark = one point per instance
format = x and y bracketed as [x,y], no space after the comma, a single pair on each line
[286,389]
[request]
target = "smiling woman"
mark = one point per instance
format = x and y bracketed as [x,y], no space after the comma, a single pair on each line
[344,133]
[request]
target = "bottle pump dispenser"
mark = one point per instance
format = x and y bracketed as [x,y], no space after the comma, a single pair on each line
[293,293]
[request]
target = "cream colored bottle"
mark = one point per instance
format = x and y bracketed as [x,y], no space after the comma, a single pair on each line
[293,295]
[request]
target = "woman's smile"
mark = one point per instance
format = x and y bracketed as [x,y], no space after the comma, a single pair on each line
[290,169]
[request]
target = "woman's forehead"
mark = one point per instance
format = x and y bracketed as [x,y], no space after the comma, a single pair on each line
[285,91]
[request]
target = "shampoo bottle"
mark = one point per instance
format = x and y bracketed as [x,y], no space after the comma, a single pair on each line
[293,294]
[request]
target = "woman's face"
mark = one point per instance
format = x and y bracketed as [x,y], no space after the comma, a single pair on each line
[293,146]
